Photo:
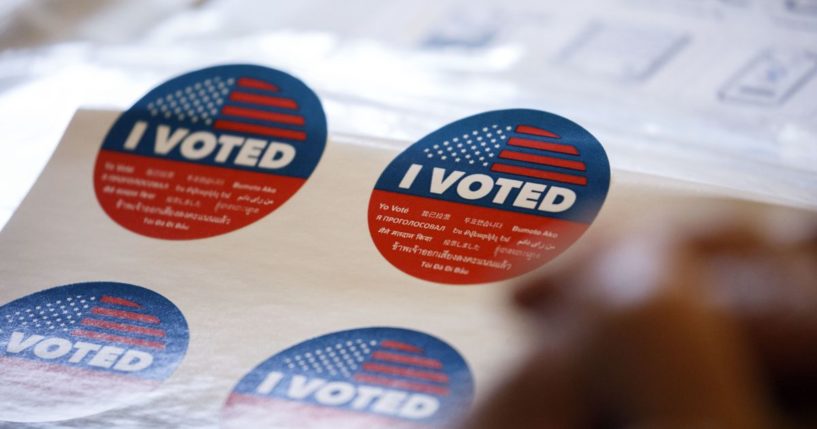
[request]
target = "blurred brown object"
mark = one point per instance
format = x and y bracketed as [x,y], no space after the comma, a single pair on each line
[673,324]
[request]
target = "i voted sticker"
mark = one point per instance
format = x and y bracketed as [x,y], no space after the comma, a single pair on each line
[488,197]
[76,350]
[210,152]
[356,379]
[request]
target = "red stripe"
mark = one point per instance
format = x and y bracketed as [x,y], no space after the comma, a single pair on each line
[551,147]
[401,384]
[264,100]
[406,372]
[539,174]
[259,129]
[396,345]
[119,301]
[117,339]
[262,115]
[120,314]
[527,129]
[123,327]
[247,82]
[410,360]
[543,160]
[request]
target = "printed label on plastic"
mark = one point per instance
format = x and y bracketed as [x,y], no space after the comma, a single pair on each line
[210,152]
[76,350]
[361,378]
[488,197]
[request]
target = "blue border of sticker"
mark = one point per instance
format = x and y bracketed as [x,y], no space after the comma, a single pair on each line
[309,107]
[496,129]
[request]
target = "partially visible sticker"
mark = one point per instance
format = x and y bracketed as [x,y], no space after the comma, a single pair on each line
[771,77]
[623,52]
[210,152]
[488,197]
[77,350]
[361,378]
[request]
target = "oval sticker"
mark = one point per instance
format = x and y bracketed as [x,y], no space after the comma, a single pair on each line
[210,152]
[488,197]
[76,350]
[361,378]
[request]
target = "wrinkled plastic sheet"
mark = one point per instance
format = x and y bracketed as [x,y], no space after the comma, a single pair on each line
[715,94]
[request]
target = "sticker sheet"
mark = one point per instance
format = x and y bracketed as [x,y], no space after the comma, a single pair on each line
[235,323]
[209,259]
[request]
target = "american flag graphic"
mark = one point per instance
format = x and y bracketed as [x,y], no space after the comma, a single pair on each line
[244,105]
[106,318]
[386,363]
[521,150]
